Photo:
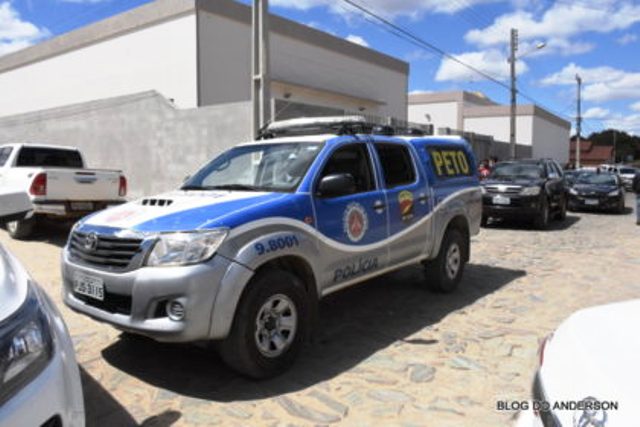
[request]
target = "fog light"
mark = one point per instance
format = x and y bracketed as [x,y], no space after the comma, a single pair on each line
[175,310]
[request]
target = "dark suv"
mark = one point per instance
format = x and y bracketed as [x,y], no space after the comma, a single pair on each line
[534,189]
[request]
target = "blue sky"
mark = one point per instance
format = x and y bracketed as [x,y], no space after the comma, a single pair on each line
[599,39]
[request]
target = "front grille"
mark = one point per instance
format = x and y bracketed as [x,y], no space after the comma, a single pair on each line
[112,303]
[108,251]
[504,189]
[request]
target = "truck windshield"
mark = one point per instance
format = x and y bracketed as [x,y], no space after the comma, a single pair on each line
[517,170]
[49,158]
[264,167]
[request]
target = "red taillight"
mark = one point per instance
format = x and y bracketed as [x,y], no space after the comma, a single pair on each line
[122,190]
[39,185]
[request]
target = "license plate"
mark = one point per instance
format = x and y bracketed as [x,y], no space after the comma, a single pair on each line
[501,200]
[591,202]
[81,206]
[89,286]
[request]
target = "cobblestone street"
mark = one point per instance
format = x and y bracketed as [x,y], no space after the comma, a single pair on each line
[388,352]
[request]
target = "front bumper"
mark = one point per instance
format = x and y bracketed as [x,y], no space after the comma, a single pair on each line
[518,206]
[56,394]
[135,301]
[69,209]
[594,202]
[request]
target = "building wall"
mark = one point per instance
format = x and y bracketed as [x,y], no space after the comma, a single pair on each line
[443,114]
[338,80]
[499,127]
[161,58]
[153,142]
[551,140]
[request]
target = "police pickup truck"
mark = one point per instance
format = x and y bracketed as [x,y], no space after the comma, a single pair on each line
[243,252]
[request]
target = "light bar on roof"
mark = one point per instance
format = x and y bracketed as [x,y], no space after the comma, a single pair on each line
[307,122]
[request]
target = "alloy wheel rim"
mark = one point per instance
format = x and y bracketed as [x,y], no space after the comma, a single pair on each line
[276,325]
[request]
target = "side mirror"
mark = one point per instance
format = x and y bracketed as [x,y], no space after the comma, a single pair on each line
[14,206]
[186,178]
[336,185]
[553,175]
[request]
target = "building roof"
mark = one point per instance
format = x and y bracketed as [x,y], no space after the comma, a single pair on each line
[454,96]
[591,153]
[159,11]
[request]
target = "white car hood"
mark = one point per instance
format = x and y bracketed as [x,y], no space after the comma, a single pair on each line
[595,353]
[13,285]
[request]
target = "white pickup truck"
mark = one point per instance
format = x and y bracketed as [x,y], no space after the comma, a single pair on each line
[58,183]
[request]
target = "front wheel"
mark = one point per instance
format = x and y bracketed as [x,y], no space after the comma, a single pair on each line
[269,327]
[541,220]
[562,211]
[445,272]
[21,229]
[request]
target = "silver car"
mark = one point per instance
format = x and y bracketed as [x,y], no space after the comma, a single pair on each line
[39,376]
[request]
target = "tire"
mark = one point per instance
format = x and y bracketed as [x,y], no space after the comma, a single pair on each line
[445,271]
[541,220]
[562,213]
[248,349]
[21,229]
[620,208]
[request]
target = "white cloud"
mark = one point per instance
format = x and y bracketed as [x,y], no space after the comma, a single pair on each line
[558,26]
[600,83]
[491,61]
[357,40]
[420,92]
[84,1]
[597,113]
[390,8]
[16,34]
[629,123]
[627,38]
[635,107]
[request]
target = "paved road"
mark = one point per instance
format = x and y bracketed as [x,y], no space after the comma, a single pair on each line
[388,353]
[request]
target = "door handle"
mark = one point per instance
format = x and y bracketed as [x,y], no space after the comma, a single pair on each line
[378,206]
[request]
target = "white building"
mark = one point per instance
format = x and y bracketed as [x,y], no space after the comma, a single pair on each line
[198,53]
[160,89]
[546,134]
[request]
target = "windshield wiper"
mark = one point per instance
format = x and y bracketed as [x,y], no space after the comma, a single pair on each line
[236,187]
[192,188]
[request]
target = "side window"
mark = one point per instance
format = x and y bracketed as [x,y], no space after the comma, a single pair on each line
[397,165]
[4,155]
[352,159]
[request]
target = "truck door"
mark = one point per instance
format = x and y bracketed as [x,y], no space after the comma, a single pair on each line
[408,203]
[353,226]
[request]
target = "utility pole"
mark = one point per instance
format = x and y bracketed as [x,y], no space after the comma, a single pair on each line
[578,121]
[514,92]
[261,77]
[615,137]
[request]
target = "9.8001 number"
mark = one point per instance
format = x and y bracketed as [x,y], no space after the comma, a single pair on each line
[273,245]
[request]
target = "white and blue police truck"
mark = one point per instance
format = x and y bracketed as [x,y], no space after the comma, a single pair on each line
[244,251]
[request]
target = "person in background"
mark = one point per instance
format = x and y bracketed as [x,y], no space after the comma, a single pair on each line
[484,170]
[636,189]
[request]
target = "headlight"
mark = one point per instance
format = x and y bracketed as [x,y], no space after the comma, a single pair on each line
[484,190]
[26,346]
[614,193]
[530,191]
[174,249]
[573,191]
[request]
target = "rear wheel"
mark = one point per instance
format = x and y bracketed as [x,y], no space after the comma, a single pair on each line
[541,220]
[562,210]
[21,229]
[445,272]
[269,327]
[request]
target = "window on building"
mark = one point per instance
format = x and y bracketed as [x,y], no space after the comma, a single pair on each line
[352,159]
[397,165]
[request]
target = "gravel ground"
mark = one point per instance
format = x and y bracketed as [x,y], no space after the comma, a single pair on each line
[388,352]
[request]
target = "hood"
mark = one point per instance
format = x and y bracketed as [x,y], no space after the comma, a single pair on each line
[188,210]
[594,353]
[14,283]
[593,188]
[524,182]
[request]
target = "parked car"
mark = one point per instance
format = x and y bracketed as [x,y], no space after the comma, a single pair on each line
[39,377]
[59,183]
[244,251]
[601,191]
[533,188]
[591,359]
[627,175]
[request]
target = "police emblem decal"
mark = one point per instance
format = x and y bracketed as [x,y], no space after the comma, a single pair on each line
[355,222]
[405,201]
